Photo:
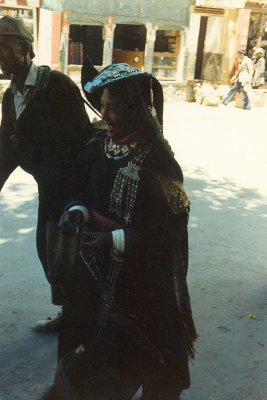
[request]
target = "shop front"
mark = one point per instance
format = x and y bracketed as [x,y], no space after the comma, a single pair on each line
[129,45]
[143,34]
[85,40]
[166,51]
[88,40]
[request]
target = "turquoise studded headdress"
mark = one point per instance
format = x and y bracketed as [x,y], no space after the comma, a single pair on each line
[111,74]
[121,71]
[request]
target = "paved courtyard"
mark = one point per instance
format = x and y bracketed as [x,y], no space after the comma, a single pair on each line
[222,151]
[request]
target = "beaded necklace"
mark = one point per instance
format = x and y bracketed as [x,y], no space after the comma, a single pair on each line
[117,151]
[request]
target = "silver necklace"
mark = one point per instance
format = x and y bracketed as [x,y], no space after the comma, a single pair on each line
[123,195]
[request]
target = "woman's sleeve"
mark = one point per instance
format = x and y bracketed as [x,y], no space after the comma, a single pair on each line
[161,219]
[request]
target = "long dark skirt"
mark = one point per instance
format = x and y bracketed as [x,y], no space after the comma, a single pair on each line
[113,366]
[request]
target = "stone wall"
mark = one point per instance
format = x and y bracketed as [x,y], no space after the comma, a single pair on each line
[202,92]
[208,93]
[178,91]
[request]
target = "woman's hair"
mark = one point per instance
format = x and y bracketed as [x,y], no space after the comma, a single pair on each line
[142,100]
[134,99]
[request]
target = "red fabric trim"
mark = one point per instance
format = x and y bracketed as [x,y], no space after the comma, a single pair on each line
[103,223]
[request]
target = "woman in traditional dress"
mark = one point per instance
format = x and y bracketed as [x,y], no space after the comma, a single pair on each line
[128,321]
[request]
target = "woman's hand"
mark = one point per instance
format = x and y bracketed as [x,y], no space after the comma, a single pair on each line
[98,241]
[71,222]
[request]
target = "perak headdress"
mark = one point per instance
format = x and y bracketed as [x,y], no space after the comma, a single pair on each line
[111,74]
[121,71]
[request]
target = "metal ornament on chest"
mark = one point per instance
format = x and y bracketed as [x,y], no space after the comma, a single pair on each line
[123,195]
[124,192]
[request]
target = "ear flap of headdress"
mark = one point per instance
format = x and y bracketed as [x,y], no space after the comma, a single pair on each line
[158,99]
[88,73]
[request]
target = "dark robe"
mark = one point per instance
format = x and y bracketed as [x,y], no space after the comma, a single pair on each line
[44,141]
[151,291]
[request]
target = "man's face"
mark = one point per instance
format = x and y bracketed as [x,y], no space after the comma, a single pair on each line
[11,55]
[114,115]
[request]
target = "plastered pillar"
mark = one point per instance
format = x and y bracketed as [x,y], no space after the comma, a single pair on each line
[109,29]
[181,58]
[150,44]
[64,46]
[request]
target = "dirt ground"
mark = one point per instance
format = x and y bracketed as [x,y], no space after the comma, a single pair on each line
[222,151]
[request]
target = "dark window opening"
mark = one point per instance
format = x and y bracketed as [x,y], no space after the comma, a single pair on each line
[130,37]
[200,46]
[86,40]
[166,41]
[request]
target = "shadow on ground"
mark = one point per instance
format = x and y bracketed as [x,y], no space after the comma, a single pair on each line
[227,283]
[27,359]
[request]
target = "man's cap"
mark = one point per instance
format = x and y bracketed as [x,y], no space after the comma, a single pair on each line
[111,74]
[258,50]
[15,27]
[242,51]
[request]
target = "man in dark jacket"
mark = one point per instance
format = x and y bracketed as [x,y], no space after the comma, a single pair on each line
[44,126]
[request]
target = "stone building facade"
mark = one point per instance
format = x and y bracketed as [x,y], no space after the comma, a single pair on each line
[147,34]
[179,41]
[217,29]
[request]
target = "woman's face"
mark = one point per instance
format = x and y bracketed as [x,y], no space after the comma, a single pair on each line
[114,114]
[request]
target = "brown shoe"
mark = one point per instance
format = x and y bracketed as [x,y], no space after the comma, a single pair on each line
[49,325]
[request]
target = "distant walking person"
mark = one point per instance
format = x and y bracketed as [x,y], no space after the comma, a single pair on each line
[241,79]
[259,68]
